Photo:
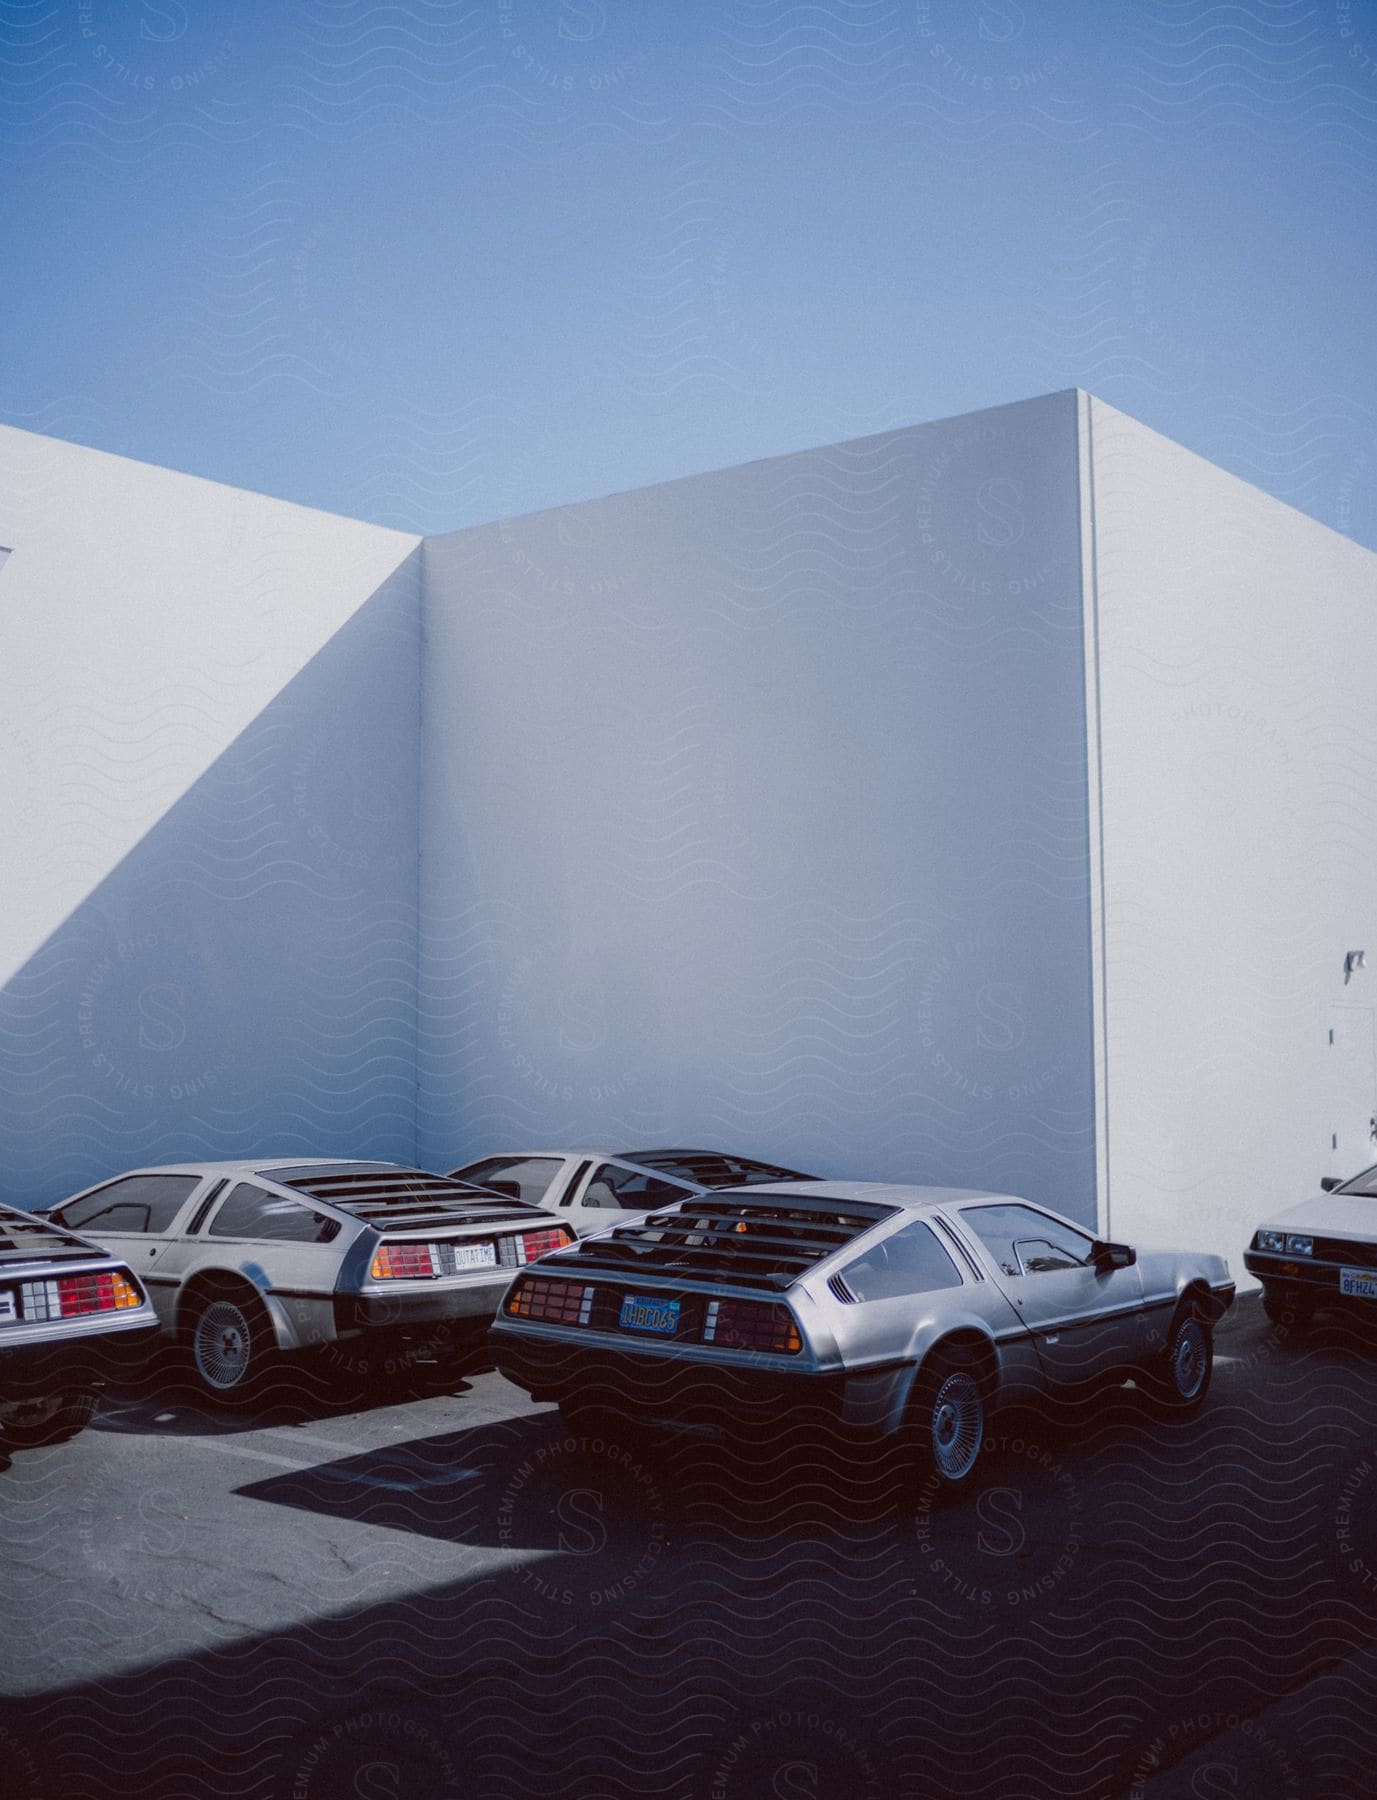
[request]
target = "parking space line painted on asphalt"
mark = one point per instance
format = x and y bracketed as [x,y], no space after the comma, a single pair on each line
[322,1443]
[232,1449]
[427,1479]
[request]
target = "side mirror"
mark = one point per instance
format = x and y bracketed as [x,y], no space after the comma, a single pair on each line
[1329,1183]
[1112,1256]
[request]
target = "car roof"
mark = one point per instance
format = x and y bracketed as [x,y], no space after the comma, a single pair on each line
[267,1166]
[763,1235]
[363,1190]
[521,1155]
[906,1195]
[647,1157]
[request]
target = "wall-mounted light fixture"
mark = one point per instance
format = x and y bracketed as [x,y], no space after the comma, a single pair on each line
[1354,959]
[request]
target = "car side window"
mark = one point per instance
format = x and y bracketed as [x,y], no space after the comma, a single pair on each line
[1025,1242]
[1040,1256]
[135,1203]
[252,1212]
[912,1261]
[517,1177]
[631,1189]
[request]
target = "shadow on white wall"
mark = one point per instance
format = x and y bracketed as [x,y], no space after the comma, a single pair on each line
[243,982]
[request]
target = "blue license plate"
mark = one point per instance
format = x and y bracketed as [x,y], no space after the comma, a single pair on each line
[640,1313]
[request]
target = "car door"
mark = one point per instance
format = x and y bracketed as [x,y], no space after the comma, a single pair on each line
[138,1218]
[1086,1322]
[614,1193]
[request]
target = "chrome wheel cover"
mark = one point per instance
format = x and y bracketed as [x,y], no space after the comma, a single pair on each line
[1190,1358]
[221,1345]
[958,1426]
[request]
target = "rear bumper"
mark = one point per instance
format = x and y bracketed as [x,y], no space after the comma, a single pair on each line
[422,1307]
[644,1384]
[66,1364]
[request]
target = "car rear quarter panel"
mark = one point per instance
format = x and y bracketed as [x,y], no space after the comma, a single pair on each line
[883,1343]
[296,1283]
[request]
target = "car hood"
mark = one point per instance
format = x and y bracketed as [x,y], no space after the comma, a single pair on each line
[1329,1215]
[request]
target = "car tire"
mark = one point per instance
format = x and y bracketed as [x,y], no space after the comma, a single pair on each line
[1288,1307]
[944,1430]
[1179,1379]
[230,1345]
[27,1425]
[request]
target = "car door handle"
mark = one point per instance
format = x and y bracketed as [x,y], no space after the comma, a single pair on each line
[1053,1337]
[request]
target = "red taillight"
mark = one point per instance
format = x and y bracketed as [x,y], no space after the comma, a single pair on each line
[404,1262]
[540,1243]
[751,1325]
[72,1296]
[96,1293]
[559,1302]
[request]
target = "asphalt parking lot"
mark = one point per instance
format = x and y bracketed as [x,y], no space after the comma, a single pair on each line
[417,1584]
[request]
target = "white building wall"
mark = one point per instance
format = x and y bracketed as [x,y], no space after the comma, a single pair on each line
[208,775]
[754,813]
[1237,660]
[765,808]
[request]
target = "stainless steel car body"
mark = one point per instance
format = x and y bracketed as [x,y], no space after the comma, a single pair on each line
[596,1189]
[1327,1255]
[191,1232]
[1041,1324]
[62,1323]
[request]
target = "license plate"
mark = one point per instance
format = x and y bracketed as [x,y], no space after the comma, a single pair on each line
[7,1312]
[642,1314]
[475,1256]
[1360,1283]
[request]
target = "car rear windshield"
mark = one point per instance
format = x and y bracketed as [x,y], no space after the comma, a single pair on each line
[745,1242]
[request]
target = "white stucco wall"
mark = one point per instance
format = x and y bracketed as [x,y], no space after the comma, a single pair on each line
[207,821]
[754,813]
[1237,663]
[802,808]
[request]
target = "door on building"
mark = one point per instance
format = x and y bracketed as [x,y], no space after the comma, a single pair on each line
[1352,1090]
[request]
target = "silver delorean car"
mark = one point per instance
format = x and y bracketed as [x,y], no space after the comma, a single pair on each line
[71,1315]
[902,1312]
[592,1189]
[1320,1254]
[244,1259]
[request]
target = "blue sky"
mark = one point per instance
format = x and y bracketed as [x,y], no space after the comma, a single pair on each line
[429,264]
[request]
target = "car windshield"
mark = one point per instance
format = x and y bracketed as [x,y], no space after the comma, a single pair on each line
[712,1168]
[522,1177]
[1364,1184]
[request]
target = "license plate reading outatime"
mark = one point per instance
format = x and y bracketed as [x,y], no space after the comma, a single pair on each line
[475,1256]
[1360,1284]
[640,1313]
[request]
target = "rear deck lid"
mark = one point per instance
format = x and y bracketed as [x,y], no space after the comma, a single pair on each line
[393,1199]
[727,1239]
